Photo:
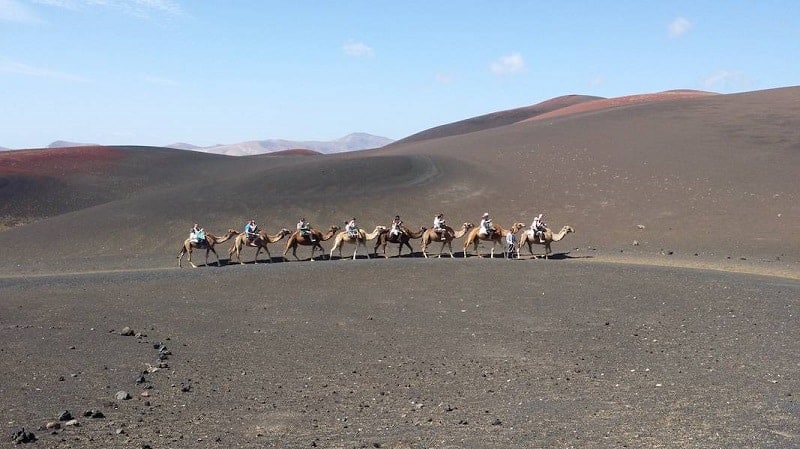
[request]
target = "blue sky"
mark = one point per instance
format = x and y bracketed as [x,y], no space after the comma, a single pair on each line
[156,72]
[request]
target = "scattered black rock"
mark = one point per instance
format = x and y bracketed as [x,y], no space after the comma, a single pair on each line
[497,422]
[126,331]
[65,416]
[23,436]
[96,414]
[141,380]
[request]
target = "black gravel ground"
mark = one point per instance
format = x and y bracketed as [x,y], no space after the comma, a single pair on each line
[404,353]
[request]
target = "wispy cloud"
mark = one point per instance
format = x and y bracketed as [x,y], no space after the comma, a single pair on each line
[19,68]
[159,81]
[138,8]
[507,65]
[679,26]
[726,80]
[14,11]
[597,80]
[357,49]
[444,78]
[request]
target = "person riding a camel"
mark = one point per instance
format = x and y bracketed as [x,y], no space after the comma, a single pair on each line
[304,228]
[397,228]
[438,225]
[251,232]
[197,234]
[537,227]
[352,228]
[486,226]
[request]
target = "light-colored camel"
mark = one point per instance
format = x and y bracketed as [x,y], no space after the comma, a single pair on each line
[403,239]
[316,236]
[208,245]
[528,238]
[474,237]
[259,242]
[362,238]
[447,237]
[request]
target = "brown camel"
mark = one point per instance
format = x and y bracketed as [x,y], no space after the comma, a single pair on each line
[207,244]
[259,242]
[316,236]
[362,238]
[474,237]
[528,238]
[446,238]
[403,239]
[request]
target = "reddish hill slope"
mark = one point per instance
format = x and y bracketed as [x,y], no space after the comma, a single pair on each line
[496,119]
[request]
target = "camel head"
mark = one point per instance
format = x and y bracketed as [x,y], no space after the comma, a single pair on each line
[284,232]
[516,227]
[568,229]
[467,226]
[334,229]
[232,232]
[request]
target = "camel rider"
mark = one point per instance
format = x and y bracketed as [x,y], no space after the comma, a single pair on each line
[397,227]
[352,228]
[251,232]
[538,226]
[486,226]
[194,234]
[438,225]
[304,228]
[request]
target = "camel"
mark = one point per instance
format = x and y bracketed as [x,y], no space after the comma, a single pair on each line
[343,237]
[260,243]
[402,240]
[528,238]
[316,235]
[208,245]
[499,236]
[446,238]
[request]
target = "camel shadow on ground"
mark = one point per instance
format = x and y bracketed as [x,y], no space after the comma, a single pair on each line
[554,256]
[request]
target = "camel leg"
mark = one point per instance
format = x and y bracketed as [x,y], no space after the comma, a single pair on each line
[234,250]
[189,258]
[215,255]
[180,257]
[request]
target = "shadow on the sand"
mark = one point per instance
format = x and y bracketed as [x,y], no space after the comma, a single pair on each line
[556,256]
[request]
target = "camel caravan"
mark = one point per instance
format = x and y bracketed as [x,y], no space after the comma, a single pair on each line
[511,240]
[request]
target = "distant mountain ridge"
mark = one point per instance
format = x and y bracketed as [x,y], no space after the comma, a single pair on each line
[350,142]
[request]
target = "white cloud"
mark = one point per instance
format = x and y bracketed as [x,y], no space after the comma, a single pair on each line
[679,27]
[158,81]
[726,80]
[139,8]
[14,11]
[507,65]
[444,78]
[19,68]
[597,80]
[357,49]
